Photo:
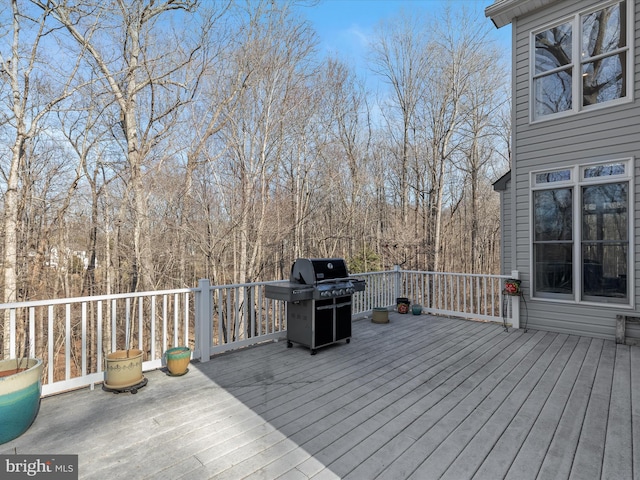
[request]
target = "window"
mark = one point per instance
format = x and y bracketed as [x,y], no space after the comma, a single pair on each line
[553,70]
[581,233]
[553,240]
[582,61]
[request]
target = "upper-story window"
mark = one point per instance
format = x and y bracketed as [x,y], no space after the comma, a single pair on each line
[582,61]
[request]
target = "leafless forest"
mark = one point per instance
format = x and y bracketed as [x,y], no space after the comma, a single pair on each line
[149,143]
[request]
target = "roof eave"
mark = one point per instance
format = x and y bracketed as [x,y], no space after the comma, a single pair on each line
[502,12]
[500,185]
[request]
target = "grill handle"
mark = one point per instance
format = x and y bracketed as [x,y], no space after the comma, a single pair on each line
[334,280]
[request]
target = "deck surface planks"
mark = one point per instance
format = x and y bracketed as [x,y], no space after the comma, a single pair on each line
[421,397]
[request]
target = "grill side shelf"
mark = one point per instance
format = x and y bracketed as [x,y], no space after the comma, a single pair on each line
[288,292]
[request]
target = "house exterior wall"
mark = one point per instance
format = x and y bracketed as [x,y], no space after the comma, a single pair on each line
[506,217]
[598,135]
[507,250]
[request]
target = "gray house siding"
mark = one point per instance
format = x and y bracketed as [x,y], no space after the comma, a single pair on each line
[590,136]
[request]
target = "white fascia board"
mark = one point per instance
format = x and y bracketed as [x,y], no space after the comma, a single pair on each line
[502,12]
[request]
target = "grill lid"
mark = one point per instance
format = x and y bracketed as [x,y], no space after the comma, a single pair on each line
[311,271]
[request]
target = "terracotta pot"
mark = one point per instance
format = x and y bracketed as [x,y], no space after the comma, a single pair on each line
[20,390]
[123,368]
[178,360]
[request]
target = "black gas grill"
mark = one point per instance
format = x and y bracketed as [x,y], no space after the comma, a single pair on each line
[319,295]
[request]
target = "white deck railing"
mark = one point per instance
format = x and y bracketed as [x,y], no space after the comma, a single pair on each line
[73,335]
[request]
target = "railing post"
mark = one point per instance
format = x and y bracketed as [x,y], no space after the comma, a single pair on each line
[203,321]
[398,282]
[515,303]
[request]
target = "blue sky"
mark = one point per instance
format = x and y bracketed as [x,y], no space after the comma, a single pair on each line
[344,26]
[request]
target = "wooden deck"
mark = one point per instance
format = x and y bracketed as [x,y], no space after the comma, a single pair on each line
[420,397]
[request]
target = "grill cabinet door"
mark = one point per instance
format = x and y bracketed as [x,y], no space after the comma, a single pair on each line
[324,322]
[343,318]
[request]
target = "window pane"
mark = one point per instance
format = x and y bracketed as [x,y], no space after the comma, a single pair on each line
[604,31]
[553,48]
[552,214]
[558,176]
[553,93]
[605,270]
[553,268]
[604,212]
[604,79]
[604,170]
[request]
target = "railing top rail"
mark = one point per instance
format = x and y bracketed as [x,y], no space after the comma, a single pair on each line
[115,296]
[94,298]
[367,274]
[456,274]
[253,284]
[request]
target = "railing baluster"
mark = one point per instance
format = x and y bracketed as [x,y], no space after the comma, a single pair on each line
[258,309]
[51,342]
[185,334]
[141,324]
[114,332]
[176,320]
[99,337]
[32,332]
[164,323]
[12,333]
[67,342]
[152,328]
[84,338]
[221,318]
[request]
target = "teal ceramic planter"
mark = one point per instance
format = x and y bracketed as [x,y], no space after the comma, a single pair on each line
[178,360]
[19,397]
[416,309]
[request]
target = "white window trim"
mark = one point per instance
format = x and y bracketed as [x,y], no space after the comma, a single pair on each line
[576,65]
[576,182]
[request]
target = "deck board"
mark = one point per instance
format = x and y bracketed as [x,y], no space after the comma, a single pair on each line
[527,455]
[589,454]
[421,397]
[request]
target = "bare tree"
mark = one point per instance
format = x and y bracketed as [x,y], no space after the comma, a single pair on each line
[27,103]
[482,110]
[400,54]
[147,74]
[346,123]
[277,51]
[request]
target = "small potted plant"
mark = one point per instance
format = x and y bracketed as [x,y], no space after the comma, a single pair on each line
[380,315]
[178,360]
[123,371]
[512,287]
[402,304]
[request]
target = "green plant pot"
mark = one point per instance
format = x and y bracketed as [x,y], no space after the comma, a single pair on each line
[416,309]
[178,360]
[20,390]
